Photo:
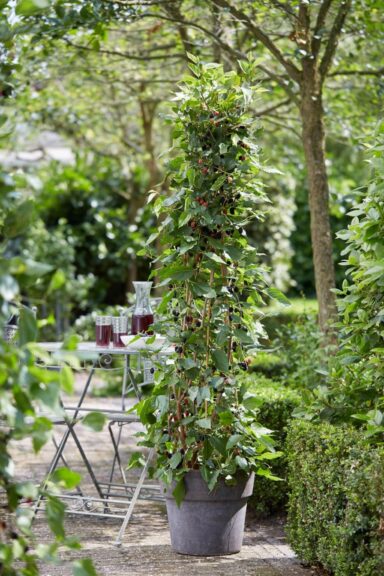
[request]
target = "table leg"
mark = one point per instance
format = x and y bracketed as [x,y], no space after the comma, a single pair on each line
[127,373]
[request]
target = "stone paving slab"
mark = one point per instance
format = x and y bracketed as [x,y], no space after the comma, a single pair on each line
[146,549]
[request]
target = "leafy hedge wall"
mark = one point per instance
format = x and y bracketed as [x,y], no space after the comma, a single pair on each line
[276,406]
[336,507]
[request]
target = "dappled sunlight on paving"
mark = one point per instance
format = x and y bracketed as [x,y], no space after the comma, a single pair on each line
[146,549]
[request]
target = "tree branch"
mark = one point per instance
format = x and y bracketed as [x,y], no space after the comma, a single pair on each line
[379,72]
[291,69]
[317,36]
[334,38]
[284,8]
[270,109]
[281,82]
[235,53]
[125,55]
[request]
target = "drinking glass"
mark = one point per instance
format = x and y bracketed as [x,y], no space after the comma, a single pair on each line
[103,330]
[120,328]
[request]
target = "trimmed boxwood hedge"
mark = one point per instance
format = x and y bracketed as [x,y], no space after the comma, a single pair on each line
[277,403]
[336,503]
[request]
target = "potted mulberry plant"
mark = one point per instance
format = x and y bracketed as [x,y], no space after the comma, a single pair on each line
[199,416]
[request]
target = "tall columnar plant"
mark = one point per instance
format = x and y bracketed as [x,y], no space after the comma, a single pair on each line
[361,300]
[199,415]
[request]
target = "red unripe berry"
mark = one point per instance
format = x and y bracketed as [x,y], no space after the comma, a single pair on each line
[200,161]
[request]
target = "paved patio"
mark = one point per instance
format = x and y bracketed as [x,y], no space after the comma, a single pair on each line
[146,547]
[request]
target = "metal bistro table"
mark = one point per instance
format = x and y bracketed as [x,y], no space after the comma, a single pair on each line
[111,495]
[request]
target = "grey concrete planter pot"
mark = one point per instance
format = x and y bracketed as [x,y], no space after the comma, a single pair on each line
[208,523]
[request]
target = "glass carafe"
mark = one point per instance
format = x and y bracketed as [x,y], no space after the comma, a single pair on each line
[142,316]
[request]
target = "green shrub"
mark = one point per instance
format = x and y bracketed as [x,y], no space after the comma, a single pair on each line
[305,359]
[336,504]
[276,406]
[269,364]
[278,315]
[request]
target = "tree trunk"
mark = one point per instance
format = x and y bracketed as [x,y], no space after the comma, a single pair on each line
[314,148]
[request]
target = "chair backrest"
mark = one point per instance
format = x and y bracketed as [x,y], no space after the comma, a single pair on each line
[10,329]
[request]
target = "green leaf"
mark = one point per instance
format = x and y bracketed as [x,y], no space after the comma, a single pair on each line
[241,462]
[204,423]
[27,326]
[203,290]
[162,404]
[184,218]
[57,281]
[174,164]
[175,460]
[220,359]
[218,444]
[193,392]
[213,480]
[54,511]
[279,296]
[269,455]
[215,257]
[179,492]
[31,7]
[94,420]
[33,268]
[6,32]
[188,363]
[222,336]
[66,478]
[268,474]
[66,379]
[251,402]
[226,418]
[243,336]
[233,440]
[152,238]
[219,182]
[19,219]
[84,567]
[136,461]
[192,58]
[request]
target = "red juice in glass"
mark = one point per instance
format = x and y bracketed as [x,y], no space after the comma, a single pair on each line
[117,342]
[103,330]
[120,328]
[141,323]
[103,335]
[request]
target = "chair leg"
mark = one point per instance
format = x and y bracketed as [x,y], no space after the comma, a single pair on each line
[64,439]
[65,462]
[86,462]
[116,457]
